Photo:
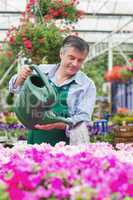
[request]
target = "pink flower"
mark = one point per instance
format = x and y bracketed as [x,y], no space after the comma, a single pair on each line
[56,183]
[41,171]
[130,189]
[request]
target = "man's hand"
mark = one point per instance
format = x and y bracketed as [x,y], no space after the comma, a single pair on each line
[58,125]
[23,74]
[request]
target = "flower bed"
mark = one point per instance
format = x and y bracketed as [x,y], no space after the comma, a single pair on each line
[94,171]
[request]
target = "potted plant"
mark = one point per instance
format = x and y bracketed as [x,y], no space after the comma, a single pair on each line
[123,125]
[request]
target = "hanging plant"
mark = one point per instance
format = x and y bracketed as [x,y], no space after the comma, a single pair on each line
[114,74]
[40,42]
[119,73]
[54,9]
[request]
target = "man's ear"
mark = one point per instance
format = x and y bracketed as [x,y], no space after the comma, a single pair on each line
[61,53]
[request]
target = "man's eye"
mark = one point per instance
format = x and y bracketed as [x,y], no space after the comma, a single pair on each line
[72,58]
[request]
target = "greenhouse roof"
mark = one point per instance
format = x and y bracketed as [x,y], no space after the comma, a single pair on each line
[103,17]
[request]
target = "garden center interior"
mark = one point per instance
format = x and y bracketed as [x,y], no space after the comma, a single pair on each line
[97,162]
[107,26]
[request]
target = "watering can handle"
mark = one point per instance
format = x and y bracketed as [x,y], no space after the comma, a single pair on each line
[44,79]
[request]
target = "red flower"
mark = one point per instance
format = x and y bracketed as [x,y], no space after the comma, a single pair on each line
[114,74]
[27,44]
[60,10]
[65,14]
[56,13]
[11,40]
[48,17]
[28,8]
[80,13]
[51,10]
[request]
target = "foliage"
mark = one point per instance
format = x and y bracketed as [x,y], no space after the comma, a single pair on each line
[123,115]
[127,73]
[10,98]
[10,118]
[119,120]
[6,59]
[109,137]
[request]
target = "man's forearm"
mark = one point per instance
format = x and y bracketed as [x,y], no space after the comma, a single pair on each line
[60,125]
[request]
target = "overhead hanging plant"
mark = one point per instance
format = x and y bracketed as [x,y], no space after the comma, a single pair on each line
[40,42]
[46,10]
[119,73]
[39,37]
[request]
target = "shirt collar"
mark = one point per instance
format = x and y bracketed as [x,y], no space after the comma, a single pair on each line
[51,72]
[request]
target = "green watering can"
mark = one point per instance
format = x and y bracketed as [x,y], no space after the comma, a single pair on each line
[34,102]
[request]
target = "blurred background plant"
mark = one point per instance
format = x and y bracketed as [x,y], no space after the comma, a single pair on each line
[97,67]
[103,138]
[3,191]
[119,73]
[7,57]
[10,128]
[123,116]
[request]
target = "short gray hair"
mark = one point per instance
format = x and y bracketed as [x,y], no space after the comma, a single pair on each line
[76,42]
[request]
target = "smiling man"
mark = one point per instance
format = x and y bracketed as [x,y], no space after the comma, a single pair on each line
[75,91]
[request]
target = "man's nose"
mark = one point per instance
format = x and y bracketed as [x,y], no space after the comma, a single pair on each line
[75,62]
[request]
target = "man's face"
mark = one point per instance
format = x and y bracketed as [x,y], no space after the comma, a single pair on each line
[71,60]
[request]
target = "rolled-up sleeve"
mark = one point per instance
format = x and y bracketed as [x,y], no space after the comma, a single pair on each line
[12,88]
[83,106]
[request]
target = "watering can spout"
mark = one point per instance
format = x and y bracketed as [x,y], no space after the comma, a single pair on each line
[33,105]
